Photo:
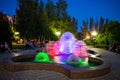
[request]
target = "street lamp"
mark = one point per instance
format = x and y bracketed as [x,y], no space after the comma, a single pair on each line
[87,37]
[94,33]
[16,33]
[58,33]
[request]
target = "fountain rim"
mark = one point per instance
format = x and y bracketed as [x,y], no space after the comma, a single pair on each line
[71,72]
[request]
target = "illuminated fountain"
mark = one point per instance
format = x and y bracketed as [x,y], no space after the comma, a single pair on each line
[68,50]
[68,56]
[42,57]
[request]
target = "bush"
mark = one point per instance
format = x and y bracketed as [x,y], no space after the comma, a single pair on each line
[18,46]
[104,46]
[88,42]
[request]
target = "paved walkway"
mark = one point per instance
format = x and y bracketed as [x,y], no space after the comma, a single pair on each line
[112,58]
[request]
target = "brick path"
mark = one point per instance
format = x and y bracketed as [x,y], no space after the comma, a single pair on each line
[111,57]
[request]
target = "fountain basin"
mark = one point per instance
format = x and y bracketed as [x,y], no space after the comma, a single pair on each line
[15,63]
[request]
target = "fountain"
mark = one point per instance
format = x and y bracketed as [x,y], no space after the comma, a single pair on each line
[68,56]
[68,50]
[42,57]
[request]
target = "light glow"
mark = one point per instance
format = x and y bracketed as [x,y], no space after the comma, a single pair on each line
[42,57]
[17,33]
[94,33]
[58,33]
[87,37]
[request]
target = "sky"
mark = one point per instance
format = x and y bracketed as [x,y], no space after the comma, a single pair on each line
[80,9]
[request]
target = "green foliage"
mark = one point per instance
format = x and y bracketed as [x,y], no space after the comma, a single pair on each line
[108,32]
[104,38]
[18,46]
[88,41]
[38,20]
[114,28]
[26,16]
[104,46]
[100,38]
[6,33]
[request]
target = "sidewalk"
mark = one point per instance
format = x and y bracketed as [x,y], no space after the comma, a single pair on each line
[112,58]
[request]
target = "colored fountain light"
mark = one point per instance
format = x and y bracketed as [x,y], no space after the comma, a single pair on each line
[67,41]
[67,50]
[42,57]
[76,62]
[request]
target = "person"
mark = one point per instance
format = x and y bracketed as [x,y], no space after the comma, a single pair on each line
[35,44]
[7,47]
[110,47]
[114,47]
[43,44]
[2,48]
[29,45]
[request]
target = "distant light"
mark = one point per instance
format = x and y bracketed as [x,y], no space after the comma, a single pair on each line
[58,33]
[17,33]
[93,55]
[94,33]
[88,37]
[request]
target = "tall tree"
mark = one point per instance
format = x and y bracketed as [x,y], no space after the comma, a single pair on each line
[97,26]
[85,31]
[101,27]
[25,17]
[61,9]
[114,29]
[6,34]
[50,9]
[91,25]
[37,19]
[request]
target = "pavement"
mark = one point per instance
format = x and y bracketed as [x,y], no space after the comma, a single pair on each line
[111,57]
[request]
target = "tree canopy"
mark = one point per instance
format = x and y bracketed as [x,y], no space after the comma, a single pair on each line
[108,31]
[6,34]
[35,19]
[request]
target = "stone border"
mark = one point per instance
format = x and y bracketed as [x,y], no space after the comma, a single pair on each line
[71,72]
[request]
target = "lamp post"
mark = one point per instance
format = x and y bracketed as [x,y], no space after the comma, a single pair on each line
[94,33]
[58,33]
[87,37]
[17,33]
[17,36]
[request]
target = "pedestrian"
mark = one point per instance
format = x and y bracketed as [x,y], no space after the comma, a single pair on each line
[2,48]
[7,47]
[114,47]
[110,47]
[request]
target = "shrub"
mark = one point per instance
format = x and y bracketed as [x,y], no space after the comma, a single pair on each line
[18,46]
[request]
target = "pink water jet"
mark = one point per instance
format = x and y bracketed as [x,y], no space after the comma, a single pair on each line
[60,51]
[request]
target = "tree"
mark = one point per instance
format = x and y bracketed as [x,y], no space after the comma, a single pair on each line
[91,24]
[26,14]
[101,25]
[50,10]
[97,26]
[38,20]
[113,28]
[85,31]
[6,34]
[61,9]
[104,38]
